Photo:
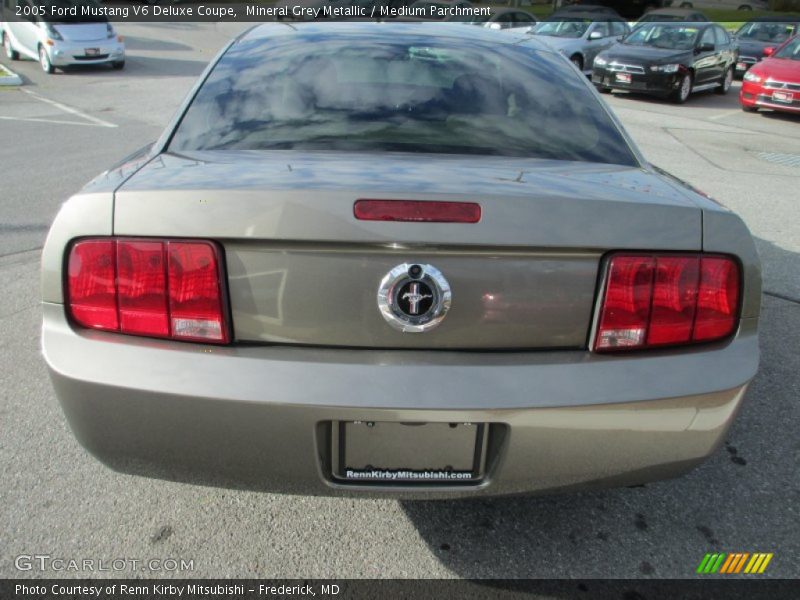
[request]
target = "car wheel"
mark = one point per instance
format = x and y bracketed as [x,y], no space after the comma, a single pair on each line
[749,108]
[686,5]
[603,89]
[745,7]
[684,89]
[10,52]
[577,61]
[44,61]
[727,80]
[118,65]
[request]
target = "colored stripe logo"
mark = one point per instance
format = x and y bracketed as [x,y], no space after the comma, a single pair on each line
[734,562]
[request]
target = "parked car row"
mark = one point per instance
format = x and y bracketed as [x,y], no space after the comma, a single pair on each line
[666,55]
[670,53]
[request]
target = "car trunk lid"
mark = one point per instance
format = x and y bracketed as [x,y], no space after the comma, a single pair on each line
[303,269]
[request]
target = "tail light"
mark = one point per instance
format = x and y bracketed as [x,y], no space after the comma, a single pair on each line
[655,300]
[156,288]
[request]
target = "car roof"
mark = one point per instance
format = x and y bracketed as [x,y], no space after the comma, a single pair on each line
[389,30]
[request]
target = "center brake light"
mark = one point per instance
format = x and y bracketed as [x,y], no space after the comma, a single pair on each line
[425,211]
[157,288]
[655,300]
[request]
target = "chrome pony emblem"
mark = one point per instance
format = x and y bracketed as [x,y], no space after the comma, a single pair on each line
[414,298]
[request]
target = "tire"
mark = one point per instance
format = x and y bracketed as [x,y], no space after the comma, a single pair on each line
[44,61]
[118,65]
[750,109]
[684,90]
[686,5]
[725,84]
[603,89]
[10,52]
[577,60]
[745,7]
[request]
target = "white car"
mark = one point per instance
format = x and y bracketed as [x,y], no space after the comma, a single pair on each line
[69,41]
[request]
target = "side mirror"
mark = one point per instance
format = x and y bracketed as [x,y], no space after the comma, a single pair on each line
[495,26]
[595,35]
[706,47]
[769,51]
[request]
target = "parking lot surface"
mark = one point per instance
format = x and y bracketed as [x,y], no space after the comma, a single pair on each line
[59,131]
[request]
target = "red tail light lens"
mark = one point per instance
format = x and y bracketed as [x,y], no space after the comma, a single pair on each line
[717,300]
[142,288]
[674,300]
[92,284]
[157,288]
[417,210]
[653,300]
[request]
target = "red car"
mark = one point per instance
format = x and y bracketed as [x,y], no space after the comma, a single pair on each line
[775,81]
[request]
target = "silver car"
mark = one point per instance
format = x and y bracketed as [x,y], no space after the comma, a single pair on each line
[581,36]
[410,259]
[59,41]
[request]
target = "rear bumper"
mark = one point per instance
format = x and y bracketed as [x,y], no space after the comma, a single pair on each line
[260,417]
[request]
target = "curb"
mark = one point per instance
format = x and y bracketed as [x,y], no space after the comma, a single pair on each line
[11,79]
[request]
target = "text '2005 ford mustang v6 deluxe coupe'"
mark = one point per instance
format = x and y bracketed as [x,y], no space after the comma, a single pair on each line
[416,259]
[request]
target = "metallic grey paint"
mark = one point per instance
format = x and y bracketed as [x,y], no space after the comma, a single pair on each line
[257,414]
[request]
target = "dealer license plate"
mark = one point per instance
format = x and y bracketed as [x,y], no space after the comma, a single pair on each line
[408,453]
[623,77]
[786,97]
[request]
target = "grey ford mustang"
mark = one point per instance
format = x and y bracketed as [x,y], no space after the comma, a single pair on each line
[411,259]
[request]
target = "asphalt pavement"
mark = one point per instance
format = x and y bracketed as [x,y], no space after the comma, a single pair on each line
[59,131]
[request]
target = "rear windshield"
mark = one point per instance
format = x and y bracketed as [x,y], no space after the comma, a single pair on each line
[364,93]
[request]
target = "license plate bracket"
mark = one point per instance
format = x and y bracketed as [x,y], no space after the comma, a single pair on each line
[391,453]
[91,51]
